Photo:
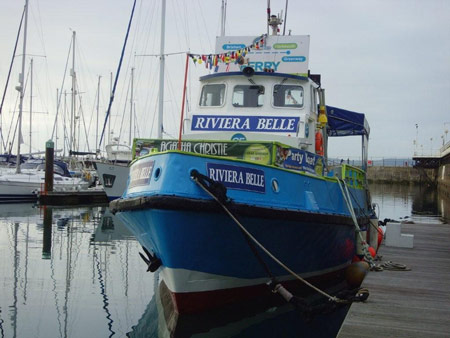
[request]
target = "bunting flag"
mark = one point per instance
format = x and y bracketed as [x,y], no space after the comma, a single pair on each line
[237,56]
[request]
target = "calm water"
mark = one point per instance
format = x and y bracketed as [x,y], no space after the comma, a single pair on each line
[419,204]
[77,273]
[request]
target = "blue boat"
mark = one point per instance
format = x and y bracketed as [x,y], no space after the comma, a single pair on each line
[246,197]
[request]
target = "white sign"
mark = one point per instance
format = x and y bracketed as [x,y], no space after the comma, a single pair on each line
[279,53]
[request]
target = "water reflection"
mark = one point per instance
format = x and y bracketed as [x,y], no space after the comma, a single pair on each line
[68,273]
[271,317]
[420,204]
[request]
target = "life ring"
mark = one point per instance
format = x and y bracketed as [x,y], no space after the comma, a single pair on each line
[319,143]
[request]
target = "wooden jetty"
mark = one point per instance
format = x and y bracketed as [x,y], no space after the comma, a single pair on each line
[85,197]
[412,303]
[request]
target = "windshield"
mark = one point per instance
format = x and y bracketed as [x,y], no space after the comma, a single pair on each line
[288,96]
[248,96]
[212,95]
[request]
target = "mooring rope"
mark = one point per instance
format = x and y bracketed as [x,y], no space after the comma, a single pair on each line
[389,265]
[331,298]
[368,257]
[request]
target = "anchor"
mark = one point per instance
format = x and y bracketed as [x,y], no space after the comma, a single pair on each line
[153,262]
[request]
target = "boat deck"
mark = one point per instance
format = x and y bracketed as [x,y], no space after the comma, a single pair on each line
[412,303]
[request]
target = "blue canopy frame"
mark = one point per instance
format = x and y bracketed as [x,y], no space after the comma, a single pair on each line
[343,122]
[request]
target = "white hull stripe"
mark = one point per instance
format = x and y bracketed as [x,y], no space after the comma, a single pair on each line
[182,280]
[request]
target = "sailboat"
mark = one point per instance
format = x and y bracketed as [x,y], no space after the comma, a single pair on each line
[113,173]
[244,203]
[24,185]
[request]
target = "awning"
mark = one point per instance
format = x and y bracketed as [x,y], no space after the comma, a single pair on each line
[343,122]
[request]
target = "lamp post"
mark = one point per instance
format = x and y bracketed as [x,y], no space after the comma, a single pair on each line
[446,132]
[417,137]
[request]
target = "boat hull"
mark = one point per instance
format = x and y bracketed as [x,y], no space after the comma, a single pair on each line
[18,189]
[113,178]
[207,261]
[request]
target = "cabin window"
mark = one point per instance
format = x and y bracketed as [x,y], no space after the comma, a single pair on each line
[212,95]
[288,96]
[248,96]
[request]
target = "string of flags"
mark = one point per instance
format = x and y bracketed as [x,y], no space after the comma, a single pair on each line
[236,56]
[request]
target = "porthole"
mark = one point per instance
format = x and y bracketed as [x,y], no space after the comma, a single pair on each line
[157,173]
[275,185]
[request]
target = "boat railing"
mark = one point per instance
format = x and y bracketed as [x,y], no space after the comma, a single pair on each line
[353,176]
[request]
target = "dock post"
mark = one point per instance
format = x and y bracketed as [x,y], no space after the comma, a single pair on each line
[47,242]
[49,159]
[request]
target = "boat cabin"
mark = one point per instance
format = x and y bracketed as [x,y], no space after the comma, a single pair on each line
[255,106]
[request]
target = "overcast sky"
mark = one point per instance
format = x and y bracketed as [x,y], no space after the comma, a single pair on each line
[388,59]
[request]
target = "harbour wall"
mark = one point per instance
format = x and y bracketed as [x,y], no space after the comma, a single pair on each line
[443,180]
[400,175]
[410,175]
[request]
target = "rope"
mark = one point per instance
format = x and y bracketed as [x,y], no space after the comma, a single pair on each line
[331,298]
[389,265]
[368,257]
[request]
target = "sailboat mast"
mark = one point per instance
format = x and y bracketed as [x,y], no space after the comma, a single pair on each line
[131,107]
[56,119]
[161,71]
[31,99]
[20,88]
[110,95]
[72,107]
[98,106]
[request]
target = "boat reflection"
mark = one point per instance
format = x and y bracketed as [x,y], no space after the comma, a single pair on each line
[270,317]
[110,228]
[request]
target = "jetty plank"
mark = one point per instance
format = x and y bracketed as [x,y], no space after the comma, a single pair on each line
[86,197]
[412,303]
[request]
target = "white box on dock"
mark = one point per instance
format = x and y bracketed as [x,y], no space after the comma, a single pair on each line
[395,238]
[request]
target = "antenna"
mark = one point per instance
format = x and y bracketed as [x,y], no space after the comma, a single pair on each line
[223,18]
[285,18]
[274,22]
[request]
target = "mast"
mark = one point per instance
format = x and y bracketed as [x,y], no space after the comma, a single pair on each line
[56,119]
[31,99]
[131,107]
[161,72]
[98,104]
[110,94]
[223,17]
[64,124]
[20,88]
[73,92]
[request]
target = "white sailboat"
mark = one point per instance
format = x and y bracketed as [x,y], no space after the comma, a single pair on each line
[23,185]
[113,173]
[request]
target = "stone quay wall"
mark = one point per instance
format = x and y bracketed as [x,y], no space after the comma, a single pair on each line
[400,175]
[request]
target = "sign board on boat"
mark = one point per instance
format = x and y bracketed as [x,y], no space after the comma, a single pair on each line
[267,153]
[237,177]
[281,53]
[140,174]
